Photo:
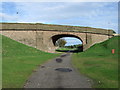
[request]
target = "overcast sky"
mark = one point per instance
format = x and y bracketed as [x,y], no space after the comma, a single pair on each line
[92,14]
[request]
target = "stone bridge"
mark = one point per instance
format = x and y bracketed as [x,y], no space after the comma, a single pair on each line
[44,36]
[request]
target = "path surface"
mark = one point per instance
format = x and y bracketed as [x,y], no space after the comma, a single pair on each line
[47,77]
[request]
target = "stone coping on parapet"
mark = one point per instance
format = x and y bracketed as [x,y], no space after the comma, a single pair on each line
[116,34]
[52,27]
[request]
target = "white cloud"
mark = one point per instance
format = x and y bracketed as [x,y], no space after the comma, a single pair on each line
[60,0]
[5,17]
[75,13]
[46,12]
[72,40]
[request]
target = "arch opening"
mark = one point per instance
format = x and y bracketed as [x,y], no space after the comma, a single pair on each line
[73,43]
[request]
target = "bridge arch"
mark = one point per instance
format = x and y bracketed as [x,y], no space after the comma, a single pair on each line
[58,36]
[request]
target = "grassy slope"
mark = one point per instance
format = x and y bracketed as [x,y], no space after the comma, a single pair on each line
[99,63]
[65,48]
[0,61]
[19,61]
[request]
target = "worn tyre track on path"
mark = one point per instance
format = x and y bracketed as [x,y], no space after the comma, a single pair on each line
[47,77]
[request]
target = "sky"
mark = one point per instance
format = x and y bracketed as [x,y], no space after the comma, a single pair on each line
[91,14]
[72,41]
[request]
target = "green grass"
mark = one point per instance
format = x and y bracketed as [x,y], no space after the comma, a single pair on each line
[0,62]
[99,63]
[19,61]
[62,48]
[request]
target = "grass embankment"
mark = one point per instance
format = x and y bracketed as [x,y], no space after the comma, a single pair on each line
[0,62]
[100,64]
[19,61]
[62,48]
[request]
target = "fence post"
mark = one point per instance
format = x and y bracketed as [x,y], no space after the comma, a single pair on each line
[113,51]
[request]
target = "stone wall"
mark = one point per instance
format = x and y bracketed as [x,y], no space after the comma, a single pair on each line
[26,37]
[49,27]
[43,39]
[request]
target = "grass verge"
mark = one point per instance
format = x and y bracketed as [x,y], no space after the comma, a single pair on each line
[62,48]
[99,63]
[19,61]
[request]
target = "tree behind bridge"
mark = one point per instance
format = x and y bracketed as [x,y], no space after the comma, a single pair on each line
[61,42]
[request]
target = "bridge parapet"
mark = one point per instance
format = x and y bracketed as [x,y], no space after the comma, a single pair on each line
[50,27]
